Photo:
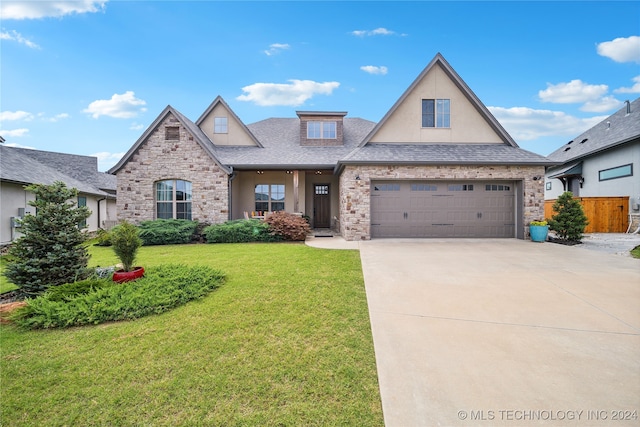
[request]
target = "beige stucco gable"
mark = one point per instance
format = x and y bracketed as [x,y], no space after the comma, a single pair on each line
[471,122]
[237,133]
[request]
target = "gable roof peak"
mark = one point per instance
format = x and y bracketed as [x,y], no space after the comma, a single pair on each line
[462,86]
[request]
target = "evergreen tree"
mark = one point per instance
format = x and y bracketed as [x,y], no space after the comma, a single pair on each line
[51,250]
[569,221]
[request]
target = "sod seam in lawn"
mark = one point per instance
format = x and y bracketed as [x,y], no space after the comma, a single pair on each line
[285,341]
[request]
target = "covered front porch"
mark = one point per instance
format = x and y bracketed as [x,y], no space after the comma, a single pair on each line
[313,193]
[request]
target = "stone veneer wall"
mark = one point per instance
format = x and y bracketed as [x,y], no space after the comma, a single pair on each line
[355,208]
[158,159]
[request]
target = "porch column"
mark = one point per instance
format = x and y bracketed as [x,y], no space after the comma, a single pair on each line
[296,198]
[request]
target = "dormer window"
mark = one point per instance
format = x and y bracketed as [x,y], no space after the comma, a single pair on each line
[321,130]
[436,113]
[220,125]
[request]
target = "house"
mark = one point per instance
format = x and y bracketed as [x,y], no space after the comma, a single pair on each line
[437,165]
[601,166]
[20,167]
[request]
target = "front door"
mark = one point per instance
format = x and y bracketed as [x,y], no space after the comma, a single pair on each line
[321,206]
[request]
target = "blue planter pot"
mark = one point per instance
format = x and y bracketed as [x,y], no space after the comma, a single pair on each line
[538,232]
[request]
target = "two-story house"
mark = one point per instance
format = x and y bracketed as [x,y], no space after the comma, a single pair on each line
[438,164]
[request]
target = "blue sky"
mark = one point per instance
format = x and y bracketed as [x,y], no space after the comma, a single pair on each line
[88,77]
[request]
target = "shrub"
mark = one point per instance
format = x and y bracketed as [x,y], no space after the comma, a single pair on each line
[103,237]
[239,231]
[569,221]
[126,242]
[51,250]
[167,231]
[98,301]
[289,226]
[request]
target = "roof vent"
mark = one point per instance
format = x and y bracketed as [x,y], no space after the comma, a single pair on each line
[569,143]
[567,149]
[584,140]
[608,125]
[628,107]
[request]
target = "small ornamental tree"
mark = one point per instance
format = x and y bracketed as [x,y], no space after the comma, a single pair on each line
[569,222]
[51,250]
[125,239]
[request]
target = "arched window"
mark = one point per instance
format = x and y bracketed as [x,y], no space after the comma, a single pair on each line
[173,199]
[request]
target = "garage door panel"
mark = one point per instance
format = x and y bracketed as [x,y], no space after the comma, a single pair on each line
[442,209]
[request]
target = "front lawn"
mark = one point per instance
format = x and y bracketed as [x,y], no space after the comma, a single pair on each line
[285,341]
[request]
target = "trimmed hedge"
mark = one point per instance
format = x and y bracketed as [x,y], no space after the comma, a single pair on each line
[240,231]
[167,231]
[97,301]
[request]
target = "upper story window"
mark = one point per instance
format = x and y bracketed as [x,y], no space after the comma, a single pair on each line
[173,199]
[436,113]
[321,130]
[220,125]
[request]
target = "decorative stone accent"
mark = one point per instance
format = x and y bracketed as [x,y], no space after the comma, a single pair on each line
[159,159]
[355,207]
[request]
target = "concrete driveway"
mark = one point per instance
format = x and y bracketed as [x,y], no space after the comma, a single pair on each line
[503,332]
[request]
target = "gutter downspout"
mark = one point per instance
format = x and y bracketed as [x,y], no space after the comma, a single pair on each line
[100,200]
[232,176]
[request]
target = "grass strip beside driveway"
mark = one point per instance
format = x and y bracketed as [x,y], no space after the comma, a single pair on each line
[285,341]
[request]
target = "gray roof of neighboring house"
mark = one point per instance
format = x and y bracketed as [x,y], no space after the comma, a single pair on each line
[617,129]
[25,166]
[444,154]
[280,139]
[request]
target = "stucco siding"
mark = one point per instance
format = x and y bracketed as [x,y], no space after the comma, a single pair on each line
[355,194]
[158,159]
[236,133]
[405,123]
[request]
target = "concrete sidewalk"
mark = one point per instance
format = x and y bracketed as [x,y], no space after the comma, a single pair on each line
[503,332]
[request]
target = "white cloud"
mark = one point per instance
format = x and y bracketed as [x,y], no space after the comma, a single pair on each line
[373,69]
[15,115]
[292,94]
[528,124]
[15,133]
[633,89]
[622,49]
[601,105]
[576,91]
[10,9]
[106,160]
[276,48]
[16,145]
[123,106]
[377,32]
[16,36]
[58,117]
[136,126]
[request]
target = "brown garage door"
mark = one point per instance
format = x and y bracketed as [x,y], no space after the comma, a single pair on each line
[442,209]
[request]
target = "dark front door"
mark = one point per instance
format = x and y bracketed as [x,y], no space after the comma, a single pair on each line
[321,206]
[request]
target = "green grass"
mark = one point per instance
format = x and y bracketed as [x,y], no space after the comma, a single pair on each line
[635,252]
[285,341]
[5,284]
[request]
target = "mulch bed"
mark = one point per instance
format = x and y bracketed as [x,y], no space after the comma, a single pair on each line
[564,242]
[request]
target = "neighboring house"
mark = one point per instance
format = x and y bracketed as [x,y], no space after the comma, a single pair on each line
[601,167]
[437,165]
[20,167]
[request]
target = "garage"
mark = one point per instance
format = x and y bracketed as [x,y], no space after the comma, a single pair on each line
[443,209]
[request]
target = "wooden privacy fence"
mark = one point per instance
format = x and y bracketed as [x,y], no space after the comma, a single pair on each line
[605,214]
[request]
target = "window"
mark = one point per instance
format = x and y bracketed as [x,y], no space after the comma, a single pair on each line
[423,187]
[82,201]
[269,197]
[173,199]
[387,187]
[496,187]
[436,113]
[220,125]
[321,130]
[617,172]
[461,187]
[171,133]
